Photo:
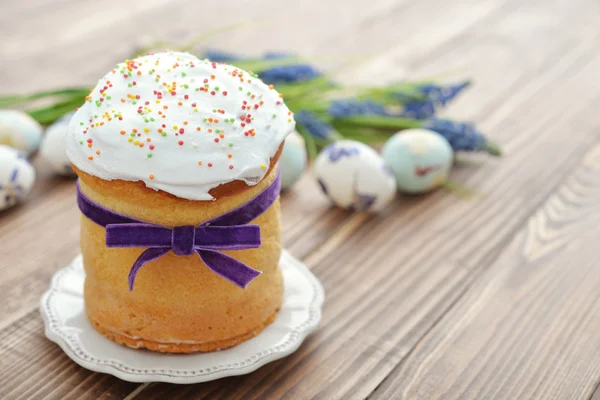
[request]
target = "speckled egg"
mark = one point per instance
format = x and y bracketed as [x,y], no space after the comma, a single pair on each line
[354,176]
[53,148]
[16,177]
[420,159]
[20,131]
[293,160]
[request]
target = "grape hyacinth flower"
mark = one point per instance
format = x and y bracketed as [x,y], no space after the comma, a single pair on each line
[221,56]
[315,126]
[436,97]
[462,136]
[289,73]
[443,94]
[419,109]
[347,108]
[272,55]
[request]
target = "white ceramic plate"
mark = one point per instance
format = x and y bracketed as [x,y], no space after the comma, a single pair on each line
[67,325]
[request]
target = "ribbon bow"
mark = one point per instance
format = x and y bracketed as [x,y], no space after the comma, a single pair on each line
[226,232]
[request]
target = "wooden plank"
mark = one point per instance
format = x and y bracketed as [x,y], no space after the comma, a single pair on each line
[18,380]
[527,328]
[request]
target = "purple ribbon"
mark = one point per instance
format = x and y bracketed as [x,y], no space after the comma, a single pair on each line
[229,231]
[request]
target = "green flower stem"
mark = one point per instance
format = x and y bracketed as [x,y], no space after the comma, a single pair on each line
[318,85]
[493,148]
[380,122]
[313,105]
[47,115]
[12,100]
[364,135]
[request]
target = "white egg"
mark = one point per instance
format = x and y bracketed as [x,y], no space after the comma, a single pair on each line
[354,176]
[20,131]
[53,148]
[293,160]
[420,159]
[16,176]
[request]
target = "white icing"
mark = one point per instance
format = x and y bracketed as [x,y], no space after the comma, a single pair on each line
[174,167]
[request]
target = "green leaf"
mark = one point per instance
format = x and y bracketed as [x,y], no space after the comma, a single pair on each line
[13,100]
[317,87]
[364,135]
[47,115]
[382,122]
[492,148]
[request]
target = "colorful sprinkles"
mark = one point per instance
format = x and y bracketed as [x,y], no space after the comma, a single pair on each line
[158,103]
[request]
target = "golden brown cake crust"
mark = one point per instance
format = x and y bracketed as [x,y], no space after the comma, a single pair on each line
[177,300]
[138,343]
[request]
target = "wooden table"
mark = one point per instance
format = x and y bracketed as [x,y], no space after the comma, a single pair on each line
[437,297]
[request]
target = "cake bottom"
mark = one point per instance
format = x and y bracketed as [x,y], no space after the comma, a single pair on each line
[139,343]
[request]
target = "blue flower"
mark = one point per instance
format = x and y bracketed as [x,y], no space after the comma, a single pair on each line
[462,136]
[221,56]
[272,55]
[443,94]
[419,109]
[436,97]
[347,107]
[289,73]
[315,126]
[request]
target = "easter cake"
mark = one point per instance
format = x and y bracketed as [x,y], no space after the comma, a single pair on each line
[179,193]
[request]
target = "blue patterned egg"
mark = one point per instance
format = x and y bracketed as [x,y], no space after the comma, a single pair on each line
[293,160]
[420,159]
[16,176]
[20,131]
[53,148]
[354,176]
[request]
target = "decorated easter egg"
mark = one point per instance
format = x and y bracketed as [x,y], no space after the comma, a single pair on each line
[53,148]
[354,176]
[16,176]
[20,131]
[293,160]
[420,159]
